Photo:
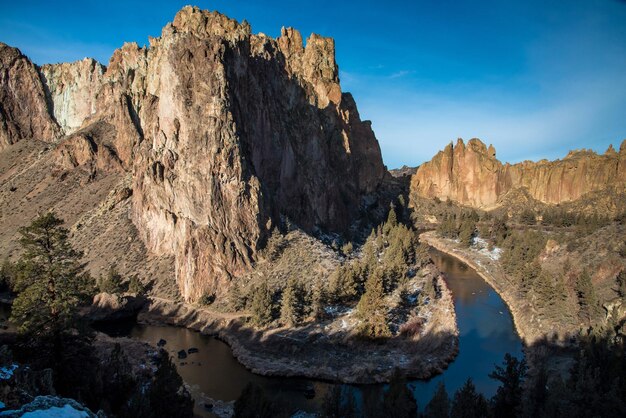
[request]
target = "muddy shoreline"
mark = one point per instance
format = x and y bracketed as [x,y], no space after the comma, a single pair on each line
[309,352]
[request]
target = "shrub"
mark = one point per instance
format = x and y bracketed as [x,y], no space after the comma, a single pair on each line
[112,282]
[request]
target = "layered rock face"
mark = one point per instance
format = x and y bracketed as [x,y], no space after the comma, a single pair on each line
[224,132]
[471,175]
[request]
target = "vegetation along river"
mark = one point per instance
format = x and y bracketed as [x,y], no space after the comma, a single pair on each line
[486,334]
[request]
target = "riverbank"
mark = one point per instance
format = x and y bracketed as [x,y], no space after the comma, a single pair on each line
[325,350]
[491,271]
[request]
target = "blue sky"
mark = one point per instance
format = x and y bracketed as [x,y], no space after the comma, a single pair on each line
[535,78]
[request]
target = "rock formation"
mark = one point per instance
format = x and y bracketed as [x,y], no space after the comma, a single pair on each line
[24,112]
[471,175]
[71,90]
[224,132]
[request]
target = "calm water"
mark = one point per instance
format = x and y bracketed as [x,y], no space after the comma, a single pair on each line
[486,334]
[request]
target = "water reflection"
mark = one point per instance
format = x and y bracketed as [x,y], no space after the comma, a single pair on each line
[486,331]
[486,334]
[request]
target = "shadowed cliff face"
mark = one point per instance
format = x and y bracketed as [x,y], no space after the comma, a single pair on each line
[471,175]
[223,131]
[24,112]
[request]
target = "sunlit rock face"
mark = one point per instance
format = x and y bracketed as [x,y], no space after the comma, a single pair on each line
[471,175]
[224,131]
[71,91]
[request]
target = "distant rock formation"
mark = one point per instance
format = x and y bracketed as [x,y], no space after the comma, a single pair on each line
[224,132]
[471,175]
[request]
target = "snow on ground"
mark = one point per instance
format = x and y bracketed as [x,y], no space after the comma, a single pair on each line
[66,411]
[7,371]
[55,412]
[483,247]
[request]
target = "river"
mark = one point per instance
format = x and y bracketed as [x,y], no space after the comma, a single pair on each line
[486,334]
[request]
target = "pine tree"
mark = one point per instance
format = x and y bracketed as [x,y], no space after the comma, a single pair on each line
[398,401]
[371,308]
[507,400]
[439,405]
[528,217]
[262,305]
[167,394]
[467,403]
[338,403]
[118,379]
[135,286]
[466,232]
[291,310]
[317,302]
[52,284]
[254,403]
[392,220]
[112,283]
[586,297]
[236,300]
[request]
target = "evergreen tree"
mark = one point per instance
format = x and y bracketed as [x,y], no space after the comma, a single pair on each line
[135,286]
[52,284]
[467,403]
[392,220]
[117,380]
[338,403]
[398,401]
[527,217]
[112,283]
[167,394]
[499,231]
[317,302]
[371,308]
[275,245]
[507,400]
[373,402]
[466,232]
[262,305]
[536,395]
[8,274]
[236,299]
[254,403]
[292,306]
[587,301]
[439,405]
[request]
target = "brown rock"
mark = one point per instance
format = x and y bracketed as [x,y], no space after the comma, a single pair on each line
[24,113]
[223,131]
[471,175]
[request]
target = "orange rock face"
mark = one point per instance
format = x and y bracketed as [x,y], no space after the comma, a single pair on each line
[223,131]
[471,175]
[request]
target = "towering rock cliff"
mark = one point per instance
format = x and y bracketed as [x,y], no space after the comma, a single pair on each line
[224,132]
[471,175]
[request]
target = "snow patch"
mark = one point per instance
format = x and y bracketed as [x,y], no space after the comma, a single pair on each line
[483,247]
[7,371]
[67,411]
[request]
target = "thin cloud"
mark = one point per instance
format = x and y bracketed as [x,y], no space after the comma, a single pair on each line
[402,73]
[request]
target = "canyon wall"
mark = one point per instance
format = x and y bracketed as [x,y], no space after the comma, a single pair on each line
[223,131]
[471,174]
